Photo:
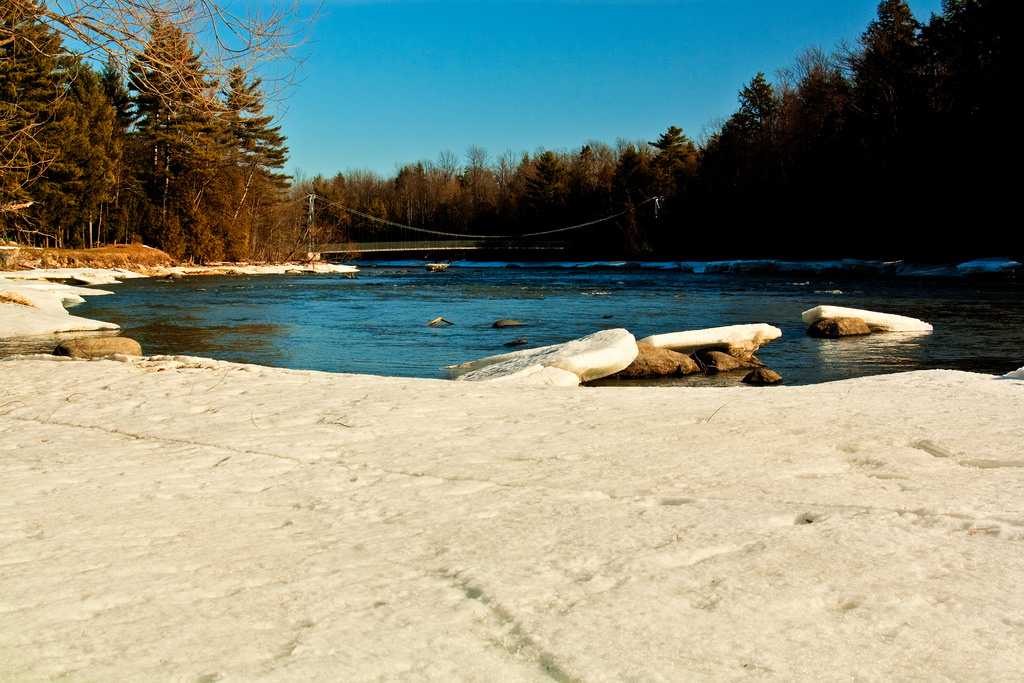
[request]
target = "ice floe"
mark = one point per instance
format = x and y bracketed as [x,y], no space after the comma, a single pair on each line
[878,322]
[588,358]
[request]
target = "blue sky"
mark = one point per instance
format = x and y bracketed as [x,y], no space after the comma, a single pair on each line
[385,83]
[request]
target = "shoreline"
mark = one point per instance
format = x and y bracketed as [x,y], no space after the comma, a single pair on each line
[182,517]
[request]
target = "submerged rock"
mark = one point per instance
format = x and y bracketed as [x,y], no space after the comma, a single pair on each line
[521,341]
[98,347]
[653,362]
[503,323]
[762,377]
[833,328]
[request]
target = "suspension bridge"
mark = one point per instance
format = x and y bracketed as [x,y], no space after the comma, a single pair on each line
[364,234]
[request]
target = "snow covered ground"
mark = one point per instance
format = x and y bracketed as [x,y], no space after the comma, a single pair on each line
[197,520]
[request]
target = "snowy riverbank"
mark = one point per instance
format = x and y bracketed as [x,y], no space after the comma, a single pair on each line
[190,519]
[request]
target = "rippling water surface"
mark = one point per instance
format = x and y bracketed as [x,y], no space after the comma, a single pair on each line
[376,323]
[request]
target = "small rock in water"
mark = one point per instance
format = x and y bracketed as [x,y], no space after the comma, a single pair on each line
[762,377]
[833,328]
[654,362]
[439,322]
[500,324]
[717,361]
[521,341]
[98,347]
[173,276]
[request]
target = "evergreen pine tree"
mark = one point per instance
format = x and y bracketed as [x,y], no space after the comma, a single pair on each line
[30,100]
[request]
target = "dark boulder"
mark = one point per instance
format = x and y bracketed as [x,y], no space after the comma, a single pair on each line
[521,341]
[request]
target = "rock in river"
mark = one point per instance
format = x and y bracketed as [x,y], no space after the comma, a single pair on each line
[503,323]
[762,377]
[654,362]
[718,361]
[833,328]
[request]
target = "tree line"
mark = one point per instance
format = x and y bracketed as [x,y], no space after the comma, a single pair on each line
[869,150]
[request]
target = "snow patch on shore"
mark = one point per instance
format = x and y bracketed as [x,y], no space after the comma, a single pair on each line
[46,313]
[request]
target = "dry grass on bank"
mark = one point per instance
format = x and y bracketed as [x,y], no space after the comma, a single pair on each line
[115,256]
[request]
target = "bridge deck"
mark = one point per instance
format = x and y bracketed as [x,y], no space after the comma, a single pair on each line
[438,245]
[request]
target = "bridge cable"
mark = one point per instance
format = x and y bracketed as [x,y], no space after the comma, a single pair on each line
[657,202]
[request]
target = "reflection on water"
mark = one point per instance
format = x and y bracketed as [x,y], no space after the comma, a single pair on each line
[376,323]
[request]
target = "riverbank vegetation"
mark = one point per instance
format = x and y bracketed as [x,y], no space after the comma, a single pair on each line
[863,151]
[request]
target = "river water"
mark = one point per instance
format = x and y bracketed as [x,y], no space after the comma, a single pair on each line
[376,323]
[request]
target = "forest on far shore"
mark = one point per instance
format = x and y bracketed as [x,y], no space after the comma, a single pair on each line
[897,146]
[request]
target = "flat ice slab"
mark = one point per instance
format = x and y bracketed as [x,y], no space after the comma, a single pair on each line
[588,358]
[878,322]
[746,337]
[194,520]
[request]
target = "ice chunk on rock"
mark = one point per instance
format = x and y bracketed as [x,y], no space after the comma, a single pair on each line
[878,322]
[1016,374]
[745,338]
[592,357]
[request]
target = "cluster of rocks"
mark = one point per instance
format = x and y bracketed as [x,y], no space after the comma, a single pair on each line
[653,362]
[616,354]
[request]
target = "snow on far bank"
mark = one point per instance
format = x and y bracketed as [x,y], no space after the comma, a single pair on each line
[878,322]
[588,358]
[743,337]
[82,276]
[196,520]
